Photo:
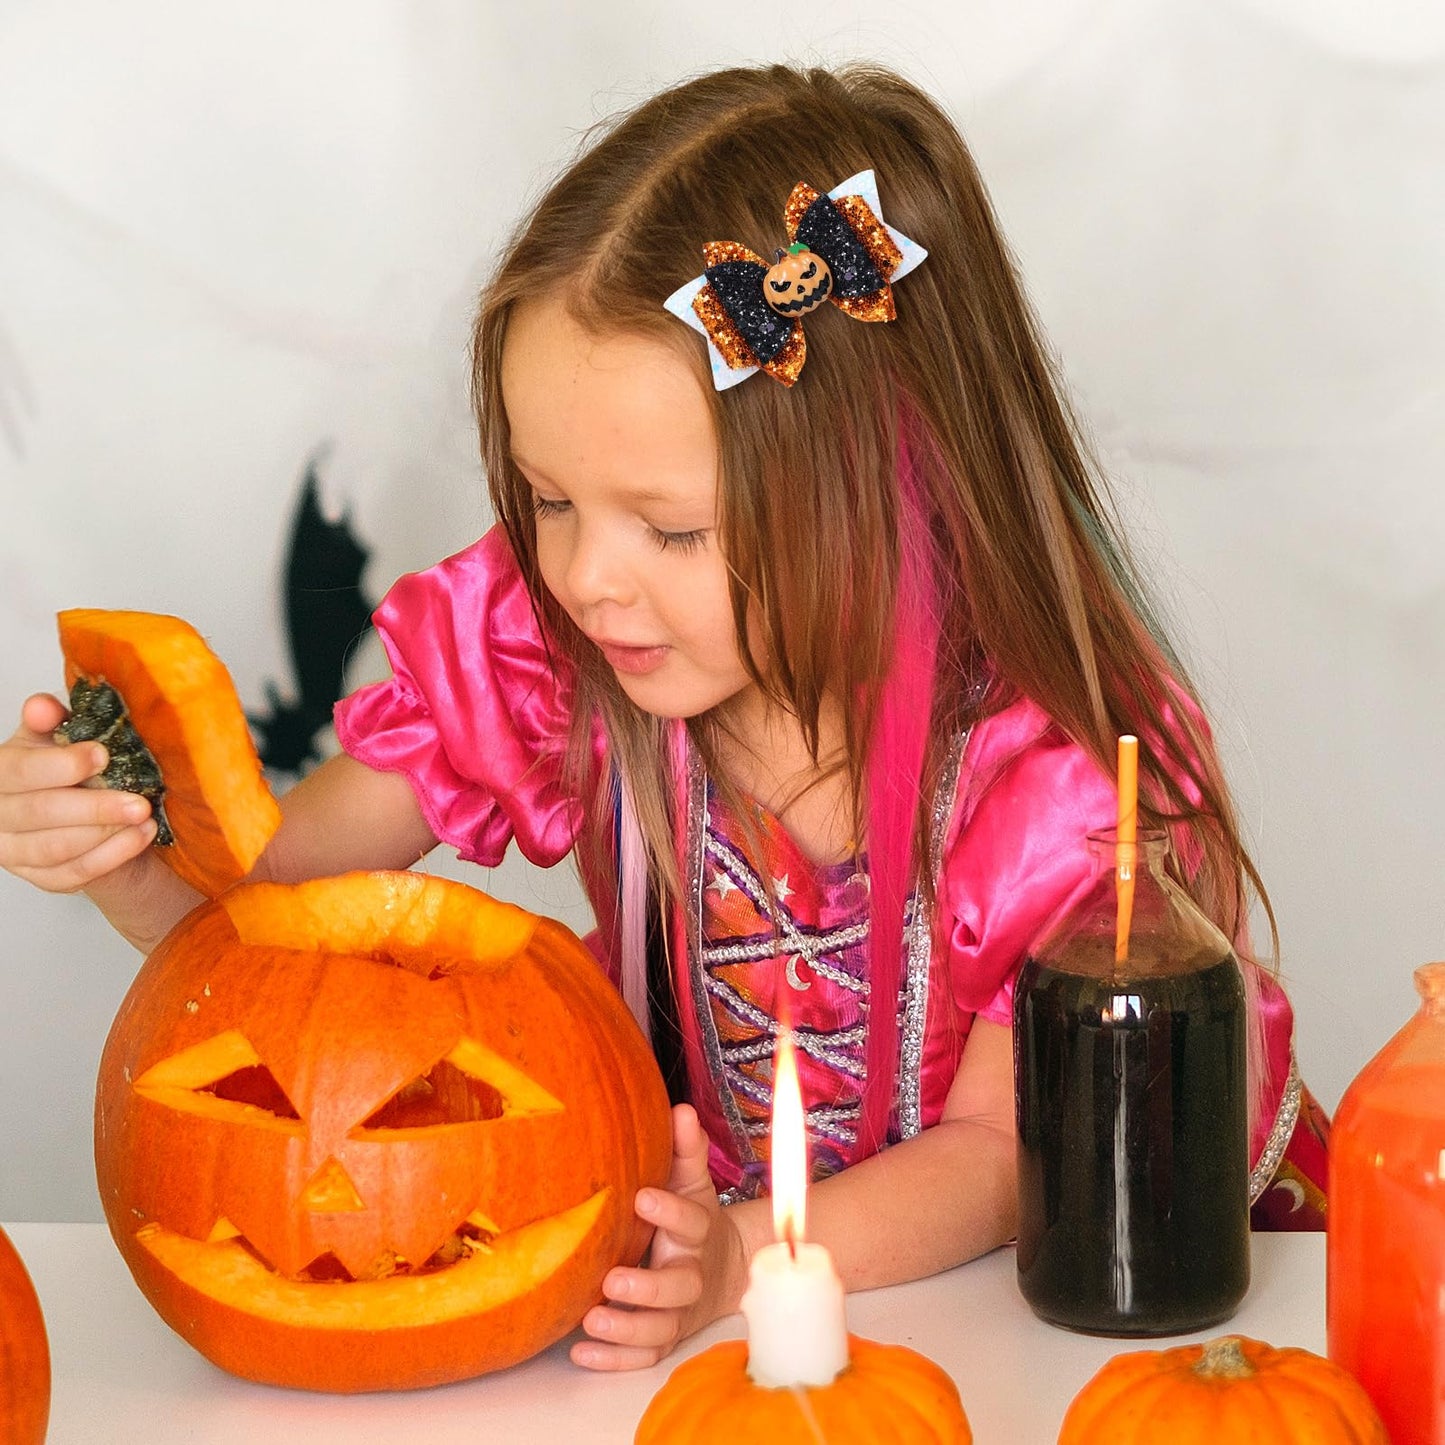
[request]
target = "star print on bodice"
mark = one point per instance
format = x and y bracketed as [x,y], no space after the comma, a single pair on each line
[783,937]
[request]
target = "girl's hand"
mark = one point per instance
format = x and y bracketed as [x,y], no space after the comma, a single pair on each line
[53,833]
[695,1271]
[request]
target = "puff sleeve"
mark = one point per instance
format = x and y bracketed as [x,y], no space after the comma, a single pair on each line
[475,714]
[1016,851]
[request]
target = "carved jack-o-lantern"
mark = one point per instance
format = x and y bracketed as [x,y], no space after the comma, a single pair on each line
[798,281]
[374,1132]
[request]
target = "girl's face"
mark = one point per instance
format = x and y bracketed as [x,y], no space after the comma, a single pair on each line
[614,435]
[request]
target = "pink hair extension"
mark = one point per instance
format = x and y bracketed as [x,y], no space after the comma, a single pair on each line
[895,763]
[632,903]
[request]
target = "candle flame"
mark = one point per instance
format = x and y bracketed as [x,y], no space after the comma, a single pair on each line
[789,1147]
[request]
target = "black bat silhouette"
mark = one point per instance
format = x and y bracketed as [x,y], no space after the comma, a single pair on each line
[326,616]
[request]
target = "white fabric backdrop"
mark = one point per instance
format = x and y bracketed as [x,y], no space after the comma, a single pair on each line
[232,237]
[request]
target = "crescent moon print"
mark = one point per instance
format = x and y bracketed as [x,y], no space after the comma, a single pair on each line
[1294,1189]
[791,971]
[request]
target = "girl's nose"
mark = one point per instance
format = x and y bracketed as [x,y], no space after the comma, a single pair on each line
[596,569]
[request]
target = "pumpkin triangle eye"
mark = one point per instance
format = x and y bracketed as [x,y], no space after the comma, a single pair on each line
[254,1085]
[224,1068]
[443,1095]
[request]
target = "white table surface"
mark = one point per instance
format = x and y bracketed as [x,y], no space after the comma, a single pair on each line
[122,1378]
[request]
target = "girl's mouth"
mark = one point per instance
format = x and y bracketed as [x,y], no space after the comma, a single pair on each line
[636,661]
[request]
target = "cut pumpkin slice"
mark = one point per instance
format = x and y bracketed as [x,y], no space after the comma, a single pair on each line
[211,795]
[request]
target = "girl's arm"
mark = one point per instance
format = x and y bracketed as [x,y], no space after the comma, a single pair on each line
[344,815]
[924,1205]
[66,838]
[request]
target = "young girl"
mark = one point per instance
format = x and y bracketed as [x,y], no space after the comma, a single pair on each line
[819,674]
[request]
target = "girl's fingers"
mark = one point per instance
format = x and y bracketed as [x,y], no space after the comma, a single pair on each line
[689,1153]
[69,875]
[32,766]
[57,847]
[594,1355]
[41,714]
[59,808]
[649,1308]
[686,1220]
[640,1329]
[677,1285]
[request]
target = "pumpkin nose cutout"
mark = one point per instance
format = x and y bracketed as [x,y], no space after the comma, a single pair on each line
[331,1191]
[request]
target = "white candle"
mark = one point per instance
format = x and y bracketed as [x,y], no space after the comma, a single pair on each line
[797,1328]
[797,1333]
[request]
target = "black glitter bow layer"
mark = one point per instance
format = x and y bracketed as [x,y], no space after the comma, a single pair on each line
[861,256]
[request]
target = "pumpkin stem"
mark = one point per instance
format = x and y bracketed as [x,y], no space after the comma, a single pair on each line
[1223,1359]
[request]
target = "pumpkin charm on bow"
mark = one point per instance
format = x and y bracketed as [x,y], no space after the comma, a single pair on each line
[840,250]
[797,282]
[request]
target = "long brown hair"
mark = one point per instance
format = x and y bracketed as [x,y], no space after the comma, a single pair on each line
[1032,589]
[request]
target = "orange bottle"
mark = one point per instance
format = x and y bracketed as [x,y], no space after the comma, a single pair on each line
[1386,1245]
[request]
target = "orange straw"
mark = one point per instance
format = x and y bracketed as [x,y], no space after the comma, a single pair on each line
[1126,852]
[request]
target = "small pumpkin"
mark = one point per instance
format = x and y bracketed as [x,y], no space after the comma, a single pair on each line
[148,687]
[886,1393]
[1232,1389]
[24,1354]
[374,1132]
[798,282]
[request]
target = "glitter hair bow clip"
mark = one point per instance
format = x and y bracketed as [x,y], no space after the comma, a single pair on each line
[840,251]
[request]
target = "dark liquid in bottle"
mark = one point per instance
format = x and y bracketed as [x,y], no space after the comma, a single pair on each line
[1133,1147]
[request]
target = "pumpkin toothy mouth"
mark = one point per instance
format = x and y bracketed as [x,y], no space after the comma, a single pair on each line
[467,1276]
[815,297]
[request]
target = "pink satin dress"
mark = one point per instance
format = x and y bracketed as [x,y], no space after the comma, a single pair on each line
[476,718]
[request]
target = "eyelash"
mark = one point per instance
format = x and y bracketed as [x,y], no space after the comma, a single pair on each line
[684,542]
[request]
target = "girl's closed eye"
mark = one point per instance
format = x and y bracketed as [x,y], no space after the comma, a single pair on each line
[684,542]
[548,506]
[693,541]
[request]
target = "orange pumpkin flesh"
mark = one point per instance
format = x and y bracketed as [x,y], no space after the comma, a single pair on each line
[181,702]
[24,1354]
[886,1393]
[374,1132]
[1233,1389]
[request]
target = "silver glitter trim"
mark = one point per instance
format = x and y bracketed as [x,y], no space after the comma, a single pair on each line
[836,1124]
[808,946]
[919,940]
[810,1044]
[697,975]
[1279,1135]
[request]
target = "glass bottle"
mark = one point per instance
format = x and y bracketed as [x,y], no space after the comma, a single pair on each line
[1385,1250]
[1132,1107]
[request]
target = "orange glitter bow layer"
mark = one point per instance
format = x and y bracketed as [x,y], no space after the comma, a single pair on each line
[840,251]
